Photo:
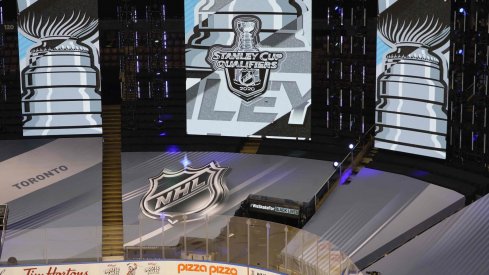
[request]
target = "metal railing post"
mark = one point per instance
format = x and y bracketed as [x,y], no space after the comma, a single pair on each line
[207,236]
[140,219]
[268,245]
[227,242]
[248,224]
[163,236]
[286,230]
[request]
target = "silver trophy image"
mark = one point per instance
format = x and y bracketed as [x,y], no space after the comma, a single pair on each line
[60,84]
[247,31]
[411,112]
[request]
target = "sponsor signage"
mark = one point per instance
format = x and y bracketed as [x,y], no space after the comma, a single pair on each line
[275,206]
[112,269]
[191,192]
[276,209]
[139,268]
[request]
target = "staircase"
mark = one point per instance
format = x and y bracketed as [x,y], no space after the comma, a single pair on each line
[251,146]
[112,231]
[366,160]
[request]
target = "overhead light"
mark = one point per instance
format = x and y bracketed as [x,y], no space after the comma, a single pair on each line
[185,161]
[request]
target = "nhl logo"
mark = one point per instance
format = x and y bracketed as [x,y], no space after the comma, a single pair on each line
[190,192]
[248,78]
[246,67]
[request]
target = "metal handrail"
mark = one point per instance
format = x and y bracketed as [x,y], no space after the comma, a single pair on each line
[341,164]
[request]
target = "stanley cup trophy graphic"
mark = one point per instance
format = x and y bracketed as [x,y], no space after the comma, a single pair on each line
[60,82]
[247,30]
[411,112]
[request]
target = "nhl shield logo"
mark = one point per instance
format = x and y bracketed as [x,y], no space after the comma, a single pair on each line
[191,192]
[248,78]
[246,67]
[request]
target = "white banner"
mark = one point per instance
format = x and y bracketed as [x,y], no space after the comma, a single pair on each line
[46,165]
[138,267]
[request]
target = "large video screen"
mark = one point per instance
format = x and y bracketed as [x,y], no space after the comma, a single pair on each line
[248,67]
[59,67]
[412,76]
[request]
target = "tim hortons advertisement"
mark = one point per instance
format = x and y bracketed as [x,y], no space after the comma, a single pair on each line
[248,67]
[138,268]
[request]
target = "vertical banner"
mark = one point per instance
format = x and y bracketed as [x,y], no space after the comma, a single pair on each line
[248,67]
[59,67]
[412,76]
